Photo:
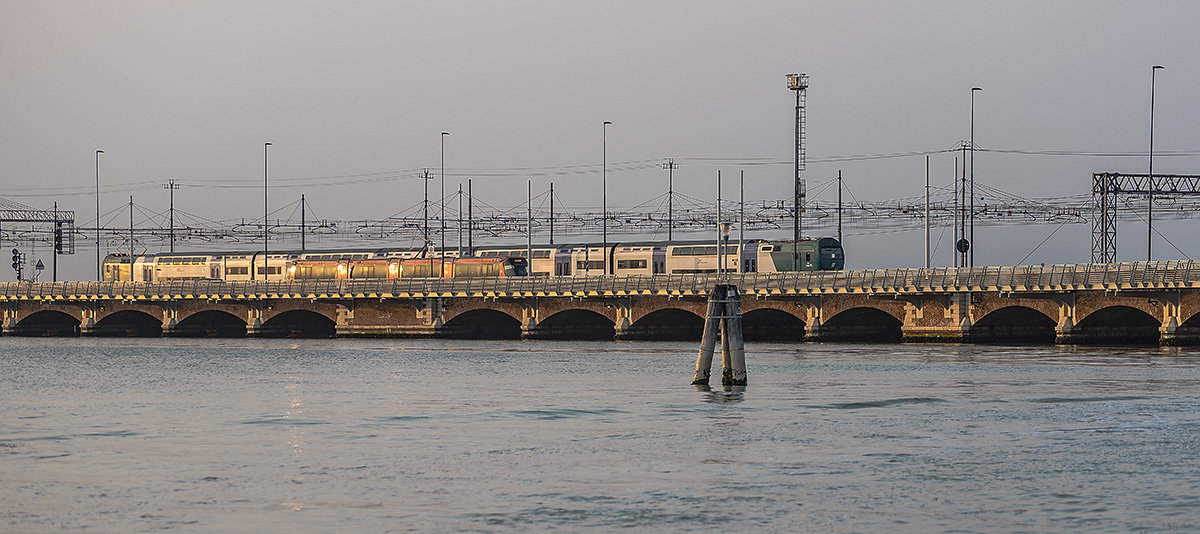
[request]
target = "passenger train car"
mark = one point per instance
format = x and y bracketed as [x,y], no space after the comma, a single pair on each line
[824,254]
[557,260]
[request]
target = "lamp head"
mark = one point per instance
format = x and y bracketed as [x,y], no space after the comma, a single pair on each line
[1156,67]
[725,228]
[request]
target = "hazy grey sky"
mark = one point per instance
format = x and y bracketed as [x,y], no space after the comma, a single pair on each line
[192,90]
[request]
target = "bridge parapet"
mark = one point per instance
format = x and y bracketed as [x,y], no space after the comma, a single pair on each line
[1010,279]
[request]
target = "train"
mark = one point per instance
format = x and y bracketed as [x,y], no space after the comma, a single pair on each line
[589,259]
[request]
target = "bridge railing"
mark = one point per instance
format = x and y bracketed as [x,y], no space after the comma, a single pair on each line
[1113,276]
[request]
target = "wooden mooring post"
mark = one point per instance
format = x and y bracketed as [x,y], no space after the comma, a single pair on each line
[723,318]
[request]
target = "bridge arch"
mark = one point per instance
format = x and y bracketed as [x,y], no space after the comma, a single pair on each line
[210,323]
[482,323]
[47,323]
[577,323]
[666,324]
[1014,324]
[127,323]
[1117,325]
[771,324]
[862,323]
[298,323]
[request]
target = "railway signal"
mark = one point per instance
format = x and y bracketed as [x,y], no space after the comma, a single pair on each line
[18,262]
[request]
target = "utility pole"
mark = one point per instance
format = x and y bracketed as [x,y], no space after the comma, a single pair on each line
[670,166]
[470,220]
[303,231]
[720,252]
[955,213]
[551,213]
[1150,175]
[442,219]
[972,239]
[839,207]
[964,242]
[460,235]
[99,274]
[529,223]
[172,186]
[926,212]
[266,262]
[425,177]
[130,238]
[741,219]
[57,246]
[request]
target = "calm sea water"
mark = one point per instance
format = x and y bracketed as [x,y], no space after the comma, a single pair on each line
[397,435]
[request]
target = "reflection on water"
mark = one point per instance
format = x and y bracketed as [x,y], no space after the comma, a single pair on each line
[370,435]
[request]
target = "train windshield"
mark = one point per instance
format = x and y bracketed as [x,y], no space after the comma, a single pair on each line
[516,267]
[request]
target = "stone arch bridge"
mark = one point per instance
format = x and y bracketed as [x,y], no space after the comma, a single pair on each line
[1142,303]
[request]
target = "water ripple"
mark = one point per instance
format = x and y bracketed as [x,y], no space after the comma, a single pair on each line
[880,403]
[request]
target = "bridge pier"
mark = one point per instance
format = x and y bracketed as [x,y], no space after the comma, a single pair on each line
[623,328]
[1064,330]
[811,309]
[937,318]
[8,325]
[530,323]
[170,320]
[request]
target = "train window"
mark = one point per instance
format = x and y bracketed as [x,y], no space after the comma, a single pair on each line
[696,251]
[589,264]
[808,256]
[541,254]
[631,264]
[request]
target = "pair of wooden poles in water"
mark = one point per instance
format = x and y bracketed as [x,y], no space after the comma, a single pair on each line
[724,317]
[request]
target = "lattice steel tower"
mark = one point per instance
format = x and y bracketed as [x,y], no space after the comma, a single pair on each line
[798,83]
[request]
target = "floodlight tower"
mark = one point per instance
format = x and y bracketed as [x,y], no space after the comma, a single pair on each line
[798,83]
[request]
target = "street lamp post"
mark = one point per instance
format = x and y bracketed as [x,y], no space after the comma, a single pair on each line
[972,237]
[99,274]
[1150,178]
[442,225]
[266,263]
[604,198]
